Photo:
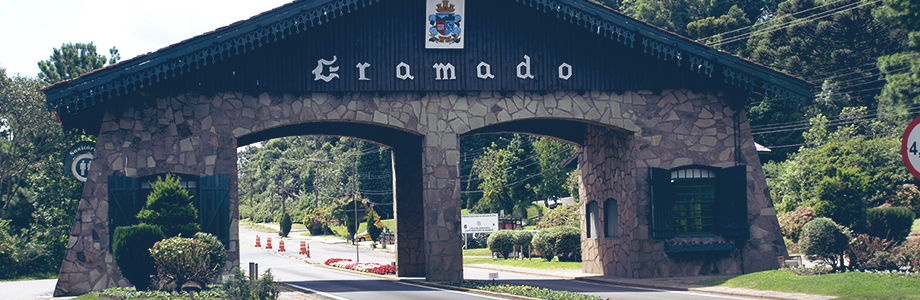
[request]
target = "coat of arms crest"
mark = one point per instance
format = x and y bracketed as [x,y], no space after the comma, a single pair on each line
[446,26]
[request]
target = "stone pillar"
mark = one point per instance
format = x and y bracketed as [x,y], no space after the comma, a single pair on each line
[442,207]
[607,166]
[409,210]
[88,263]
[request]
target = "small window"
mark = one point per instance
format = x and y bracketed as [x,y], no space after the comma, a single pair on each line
[592,220]
[693,201]
[611,218]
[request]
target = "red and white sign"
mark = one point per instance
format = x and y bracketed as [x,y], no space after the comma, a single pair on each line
[910,151]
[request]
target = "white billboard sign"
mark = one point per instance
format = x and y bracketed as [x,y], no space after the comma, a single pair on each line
[481,223]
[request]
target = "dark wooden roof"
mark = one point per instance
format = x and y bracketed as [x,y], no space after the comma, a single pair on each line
[78,102]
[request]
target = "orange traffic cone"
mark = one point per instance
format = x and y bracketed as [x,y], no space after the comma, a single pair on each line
[258,243]
[303,247]
[268,243]
[281,246]
[308,250]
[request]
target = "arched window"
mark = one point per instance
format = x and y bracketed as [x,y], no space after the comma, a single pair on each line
[592,220]
[611,219]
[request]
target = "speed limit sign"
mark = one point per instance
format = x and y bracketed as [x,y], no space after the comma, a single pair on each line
[910,151]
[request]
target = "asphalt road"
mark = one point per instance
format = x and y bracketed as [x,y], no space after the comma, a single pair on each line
[347,285]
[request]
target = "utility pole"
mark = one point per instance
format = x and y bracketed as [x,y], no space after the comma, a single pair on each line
[283,189]
[354,197]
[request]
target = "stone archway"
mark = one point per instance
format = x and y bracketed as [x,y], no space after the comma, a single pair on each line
[407,186]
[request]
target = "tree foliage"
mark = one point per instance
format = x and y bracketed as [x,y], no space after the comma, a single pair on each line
[169,206]
[72,60]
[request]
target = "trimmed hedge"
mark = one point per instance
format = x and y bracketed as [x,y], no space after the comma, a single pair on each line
[561,241]
[892,223]
[824,238]
[501,241]
[180,260]
[130,246]
[568,243]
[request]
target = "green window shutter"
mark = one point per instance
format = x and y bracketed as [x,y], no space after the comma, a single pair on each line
[214,206]
[731,196]
[123,202]
[660,222]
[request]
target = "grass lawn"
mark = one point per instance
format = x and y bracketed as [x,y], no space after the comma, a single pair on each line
[916,226]
[535,263]
[477,252]
[850,285]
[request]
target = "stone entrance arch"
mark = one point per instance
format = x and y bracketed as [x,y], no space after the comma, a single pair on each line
[640,101]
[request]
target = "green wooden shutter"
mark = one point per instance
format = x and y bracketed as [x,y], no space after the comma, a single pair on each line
[731,196]
[123,202]
[660,189]
[214,206]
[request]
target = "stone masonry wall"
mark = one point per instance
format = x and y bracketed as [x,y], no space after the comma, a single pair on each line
[632,130]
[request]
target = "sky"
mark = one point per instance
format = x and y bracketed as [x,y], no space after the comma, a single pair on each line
[31,29]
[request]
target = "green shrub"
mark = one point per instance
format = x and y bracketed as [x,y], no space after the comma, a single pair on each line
[560,216]
[568,243]
[522,238]
[179,260]
[544,242]
[169,206]
[843,198]
[217,254]
[373,225]
[825,239]
[239,287]
[502,242]
[891,223]
[285,225]
[315,221]
[130,248]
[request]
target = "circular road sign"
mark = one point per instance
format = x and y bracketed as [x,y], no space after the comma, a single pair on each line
[910,151]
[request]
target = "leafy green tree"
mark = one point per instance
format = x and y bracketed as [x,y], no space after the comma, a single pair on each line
[900,70]
[38,199]
[72,60]
[795,182]
[843,198]
[372,224]
[375,175]
[551,154]
[169,206]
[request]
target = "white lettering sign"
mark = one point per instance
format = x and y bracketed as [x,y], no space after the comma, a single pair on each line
[440,69]
[484,71]
[566,69]
[318,72]
[404,75]
[361,68]
[521,67]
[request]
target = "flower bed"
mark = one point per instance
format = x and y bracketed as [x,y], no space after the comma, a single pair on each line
[380,269]
[522,290]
